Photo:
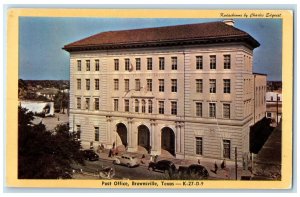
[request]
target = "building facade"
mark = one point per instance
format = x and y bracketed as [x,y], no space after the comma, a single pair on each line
[189,93]
[274,106]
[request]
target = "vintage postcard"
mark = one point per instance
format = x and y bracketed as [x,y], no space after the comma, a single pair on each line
[189,99]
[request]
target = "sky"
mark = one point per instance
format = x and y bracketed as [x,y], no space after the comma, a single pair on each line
[41,40]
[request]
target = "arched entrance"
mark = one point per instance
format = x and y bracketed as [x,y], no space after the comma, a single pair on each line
[168,140]
[122,134]
[144,137]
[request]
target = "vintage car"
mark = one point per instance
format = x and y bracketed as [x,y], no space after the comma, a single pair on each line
[127,160]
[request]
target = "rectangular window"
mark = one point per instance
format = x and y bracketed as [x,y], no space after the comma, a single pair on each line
[212,110]
[78,131]
[226,83]
[78,84]
[212,86]
[116,84]
[96,84]
[87,84]
[127,64]
[227,62]
[149,85]
[226,111]
[138,63]
[199,109]
[199,62]
[88,65]
[126,82]
[96,134]
[96,103]
[212,61]
[161,85]
[78,65]
[137,85]
[226,149]
[161,63]
[161,107]
[143,106]
[199,146]
[116,61]
[174,108]
[199,85]
[116,104]
[97,65]
[149,63]
[126,105]
[137,105]
[78,103]
[87,103]
[173,85]
[150,106]
[174,63]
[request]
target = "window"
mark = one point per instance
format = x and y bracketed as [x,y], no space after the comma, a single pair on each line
[226,85]
[137,85]
[96,84]
[116,84]
[161,63]
[173,85]
[271,98]
[126,82]
[116,104]
[137,103]
[96,103]
[87,103]
[150,104]
[212,86]
[116,61]
[143,106]
[161,85]
[212,110]
[78,131]
[149,85]
[149,63]
[126,104]
[226,110]
[161,107]
[269,115]
[174,108]
[78,65]
[78,103]
[78,84]
[137,63]
[97,66]
[87,84]
[88,65]
[227,62]
[198,109]
[199,85]
[199,62]
[199,146]
[212,62]
[127,64]
[96,133]
[226,149]
[174,63]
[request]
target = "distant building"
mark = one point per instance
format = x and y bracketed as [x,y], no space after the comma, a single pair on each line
[274,106]
[187,89]
[49,93]
[274,86]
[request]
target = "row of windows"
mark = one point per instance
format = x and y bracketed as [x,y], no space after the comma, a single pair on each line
[174,63]
[212,110]
[199,147]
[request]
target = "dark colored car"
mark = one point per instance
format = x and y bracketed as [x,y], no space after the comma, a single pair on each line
[162,165]
[90,155]
[193,171]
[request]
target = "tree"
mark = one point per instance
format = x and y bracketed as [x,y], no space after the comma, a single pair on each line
[61,101]
[43,154]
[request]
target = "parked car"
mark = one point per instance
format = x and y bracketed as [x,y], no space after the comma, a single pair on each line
[127,160]
[90,155]
[163,166]
[194,171]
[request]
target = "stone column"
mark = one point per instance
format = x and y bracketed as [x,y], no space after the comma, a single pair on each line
[108,132]
[155,150]
[179,140]
[130,145]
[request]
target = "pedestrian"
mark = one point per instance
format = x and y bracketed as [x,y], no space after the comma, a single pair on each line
[155,158]
[216,167]
[199,161]
[223,164]
[110,153]
[151,158]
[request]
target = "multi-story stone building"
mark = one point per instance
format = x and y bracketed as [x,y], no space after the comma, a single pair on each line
[186,89]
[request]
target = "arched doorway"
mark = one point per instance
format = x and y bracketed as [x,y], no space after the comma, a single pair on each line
[144,137]
[122,134]
[168,140]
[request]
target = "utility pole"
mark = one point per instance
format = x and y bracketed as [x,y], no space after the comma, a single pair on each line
[236,178]
[277,109]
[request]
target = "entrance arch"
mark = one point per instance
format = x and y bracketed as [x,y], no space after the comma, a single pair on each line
[122,133]
[168,140]
[144,137]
